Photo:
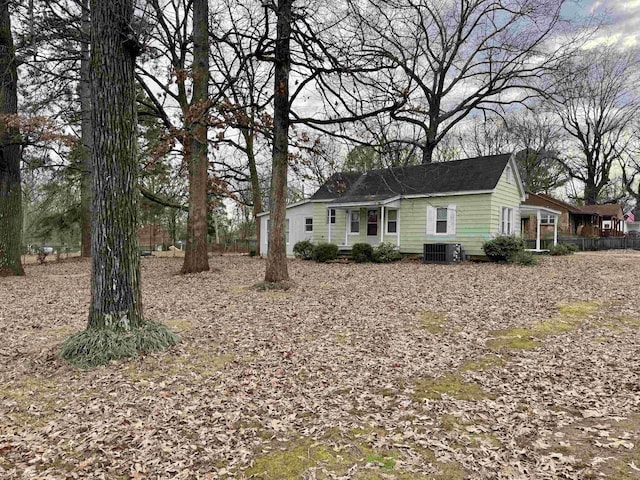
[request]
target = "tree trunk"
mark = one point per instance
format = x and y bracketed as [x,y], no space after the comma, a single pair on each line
[10,153]
[276,270]
[195,145]
[87,140]
[115,284]
[256,193]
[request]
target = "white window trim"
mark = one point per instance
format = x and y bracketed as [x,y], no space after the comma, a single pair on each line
[435,224]
[331,217]
[452,219]
[386,223]
[359,222]
[509,174]
[305,224]
[508,222]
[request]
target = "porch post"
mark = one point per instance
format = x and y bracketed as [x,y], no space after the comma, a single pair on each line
[555,231]
[347,227]
[381,223]
[398,227]
[538,230]
[329,222]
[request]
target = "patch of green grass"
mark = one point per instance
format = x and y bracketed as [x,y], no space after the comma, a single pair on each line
[179,325]
[571,316]
[579,309]
[451,385]
[486,362]
[432,322]
[194,361]
[512,339]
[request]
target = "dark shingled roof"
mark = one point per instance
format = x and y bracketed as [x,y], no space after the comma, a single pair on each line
[471,174]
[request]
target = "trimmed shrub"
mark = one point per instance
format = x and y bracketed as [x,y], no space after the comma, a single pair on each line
[323,252]
[523,258]
[563,249]
[362,252]
[303,250]
[500,249]
[386,252]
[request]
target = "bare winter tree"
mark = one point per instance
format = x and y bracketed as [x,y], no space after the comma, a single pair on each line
[10,153]
[116,327]
[596,100]
[453,58]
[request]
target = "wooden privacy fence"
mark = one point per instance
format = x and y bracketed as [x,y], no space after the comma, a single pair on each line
[233,246]
[592,244]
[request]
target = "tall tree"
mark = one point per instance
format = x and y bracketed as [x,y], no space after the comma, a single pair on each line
[453,58]
[116,327]
[595,98]
[196,146]
[86,135]
[10,153]
[276,270]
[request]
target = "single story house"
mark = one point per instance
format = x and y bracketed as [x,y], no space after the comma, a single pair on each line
[572,221]
[611,219]
[466,202]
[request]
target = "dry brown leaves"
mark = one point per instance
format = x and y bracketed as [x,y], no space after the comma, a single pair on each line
[357,372]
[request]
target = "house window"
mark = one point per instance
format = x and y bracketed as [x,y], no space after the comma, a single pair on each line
[372,223]
[308,224]
[268,230]
[392,221]
[547,219]
[354,221]
[286,231]
[509,174]
[331,215]
[441,220]
[506,222]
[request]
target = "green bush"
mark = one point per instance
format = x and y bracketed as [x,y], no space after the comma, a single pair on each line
[502,248]
[362,252]
[563,249]
[523,258]
[323,252]
[303,249]
[386,252]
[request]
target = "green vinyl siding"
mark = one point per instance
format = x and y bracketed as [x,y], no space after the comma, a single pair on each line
[505,195]
[321,227]
[473,218]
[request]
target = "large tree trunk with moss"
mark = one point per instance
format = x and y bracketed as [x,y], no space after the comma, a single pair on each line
[87,136]
[276,270]
[10,153]
[195,145]
[114,163]
[116,328]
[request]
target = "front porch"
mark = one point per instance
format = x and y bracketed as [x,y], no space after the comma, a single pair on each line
[545,221]
[372,222]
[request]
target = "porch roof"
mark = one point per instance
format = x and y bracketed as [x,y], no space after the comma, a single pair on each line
[530,210]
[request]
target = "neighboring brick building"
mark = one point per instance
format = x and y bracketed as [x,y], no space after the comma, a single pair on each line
[152,236]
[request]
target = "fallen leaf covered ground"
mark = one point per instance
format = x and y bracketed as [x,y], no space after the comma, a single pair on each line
[358,371]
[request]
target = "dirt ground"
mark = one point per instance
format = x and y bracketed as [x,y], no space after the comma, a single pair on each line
[401,371]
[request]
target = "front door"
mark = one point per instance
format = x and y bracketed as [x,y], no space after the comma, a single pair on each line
[372,226]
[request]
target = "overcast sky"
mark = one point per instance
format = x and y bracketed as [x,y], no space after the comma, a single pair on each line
[622,18]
